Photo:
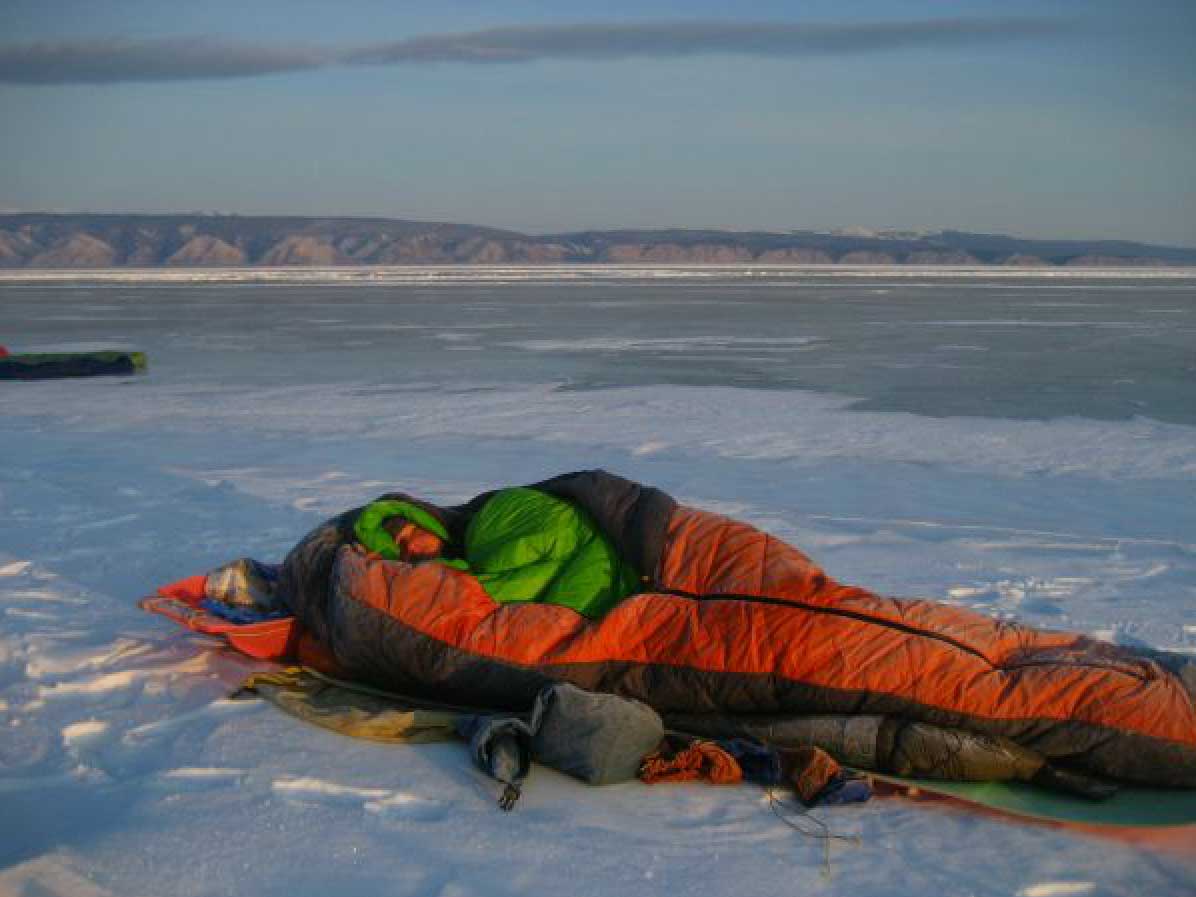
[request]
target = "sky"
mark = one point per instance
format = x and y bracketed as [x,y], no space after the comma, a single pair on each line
[1041,119]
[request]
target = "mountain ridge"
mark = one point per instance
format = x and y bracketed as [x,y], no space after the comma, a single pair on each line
[77,240]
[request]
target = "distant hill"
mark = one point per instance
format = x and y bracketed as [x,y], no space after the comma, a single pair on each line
[102,241]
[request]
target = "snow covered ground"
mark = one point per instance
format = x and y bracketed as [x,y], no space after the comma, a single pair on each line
[797,402]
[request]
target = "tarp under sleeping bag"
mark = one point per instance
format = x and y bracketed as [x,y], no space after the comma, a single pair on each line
[730,621]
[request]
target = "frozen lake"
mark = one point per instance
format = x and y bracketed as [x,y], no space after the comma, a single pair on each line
[1026,346]
[1021,444]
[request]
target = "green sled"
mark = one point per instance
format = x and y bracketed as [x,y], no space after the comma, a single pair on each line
[55,365]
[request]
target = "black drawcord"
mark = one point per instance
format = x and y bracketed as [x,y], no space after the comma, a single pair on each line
[822,833]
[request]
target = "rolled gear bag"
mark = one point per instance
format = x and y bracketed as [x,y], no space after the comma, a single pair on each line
[598,738]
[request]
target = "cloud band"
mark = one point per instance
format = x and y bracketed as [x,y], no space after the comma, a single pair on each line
[182,59]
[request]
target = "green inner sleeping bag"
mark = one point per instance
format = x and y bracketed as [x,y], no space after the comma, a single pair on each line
[525,545]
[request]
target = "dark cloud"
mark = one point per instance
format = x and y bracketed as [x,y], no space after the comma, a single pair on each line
[604,42]
[110,61]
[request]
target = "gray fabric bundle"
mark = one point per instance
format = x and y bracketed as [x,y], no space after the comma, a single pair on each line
[245,583]
[597,738]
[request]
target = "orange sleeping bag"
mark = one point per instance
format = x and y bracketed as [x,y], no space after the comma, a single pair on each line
[732,621]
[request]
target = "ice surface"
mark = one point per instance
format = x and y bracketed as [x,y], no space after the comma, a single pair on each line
[1009,469]
[1113,346]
